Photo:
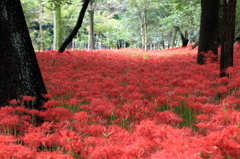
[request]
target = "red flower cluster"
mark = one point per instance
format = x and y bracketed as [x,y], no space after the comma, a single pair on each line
[127,104]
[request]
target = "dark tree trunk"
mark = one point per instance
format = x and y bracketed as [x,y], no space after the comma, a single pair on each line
[77,26]
[184,38]
[163,44]
[195,45]
[226,59]
[19,70]
[208,28]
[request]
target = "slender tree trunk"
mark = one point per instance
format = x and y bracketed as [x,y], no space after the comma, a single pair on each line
[186,34]
[163,44]
[41,37]
[19,70]
[73,44]
[141,29]
[57,25]
[169,39]
[77,26]
[40,28]
[174,35]
[195,45]
[145,30]
[226,59]
[208,29]
[145,25]
[91,42]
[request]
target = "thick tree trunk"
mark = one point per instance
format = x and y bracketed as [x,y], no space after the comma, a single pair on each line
[226,59]
[19,70]
[57,25]
[208,29]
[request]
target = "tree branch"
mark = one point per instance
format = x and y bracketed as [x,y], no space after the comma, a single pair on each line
[76,28]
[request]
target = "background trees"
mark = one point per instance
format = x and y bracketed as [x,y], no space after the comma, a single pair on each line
[160,17]
[118,23]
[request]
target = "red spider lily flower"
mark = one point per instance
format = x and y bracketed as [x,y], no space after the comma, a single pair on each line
[203,117]
[17,151]
[51,103]
[7,139]
[168,117]
[94,129]
[56,114]
[10,121]
[81,118]
[47,95]
[173,104]
[223,80]
[52,155]
[28,98]
[14,102]
[223,89]
[73,101]
[70,140]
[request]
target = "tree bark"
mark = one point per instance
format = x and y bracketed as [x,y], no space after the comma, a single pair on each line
[57,25]
[41,28]
[91,43]
[169,39]
[174,36]
[19,70]
[145,27]
[208,29]
[229,14]
[195,45]
[163,44]
[77,26]
[141,29]
[184,37]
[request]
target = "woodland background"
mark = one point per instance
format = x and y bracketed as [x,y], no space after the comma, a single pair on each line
[152,24]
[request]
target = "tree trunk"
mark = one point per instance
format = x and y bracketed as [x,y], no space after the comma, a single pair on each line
[208,29]
[169,39]
[173,44]
[73,44]
[145,30]
[183,37]
[40,27]
[91,44]
[77,26]
[195,45]
[226,59]
[19,70]
[141,29]
[57,25]
[163,44]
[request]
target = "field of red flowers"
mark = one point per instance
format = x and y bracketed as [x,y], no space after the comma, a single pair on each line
[127,104]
